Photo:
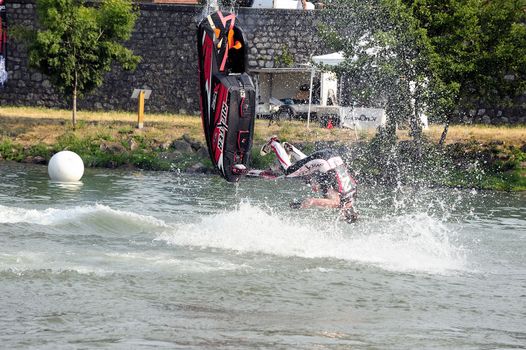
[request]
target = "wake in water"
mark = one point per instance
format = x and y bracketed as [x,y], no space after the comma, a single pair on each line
[98,217]
[412,242]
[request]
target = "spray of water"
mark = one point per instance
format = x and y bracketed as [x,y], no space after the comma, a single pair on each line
[410,242]
[400,230]
[214,5]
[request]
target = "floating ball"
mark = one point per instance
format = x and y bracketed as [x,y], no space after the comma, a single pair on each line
[65,166]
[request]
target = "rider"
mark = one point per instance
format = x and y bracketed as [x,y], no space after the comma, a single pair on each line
[324,171]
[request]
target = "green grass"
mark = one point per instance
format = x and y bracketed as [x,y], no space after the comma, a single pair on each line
[485,157]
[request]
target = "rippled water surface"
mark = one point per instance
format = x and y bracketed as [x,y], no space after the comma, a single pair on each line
[137,260]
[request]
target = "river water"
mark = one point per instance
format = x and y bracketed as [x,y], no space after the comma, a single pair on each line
[140,260]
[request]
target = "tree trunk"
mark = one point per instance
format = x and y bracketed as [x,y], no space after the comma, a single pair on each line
[444,134]
[415,126]
[74,119]
[413,91]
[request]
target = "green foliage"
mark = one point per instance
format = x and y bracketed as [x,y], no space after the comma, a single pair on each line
[501,73]
[455,51]
[285,59]
[70,141]
[257,161]
[9,150]
[126,129]
[479,49]
[380,161]
[387,56]
[41,150]
[88,148]
[76,45]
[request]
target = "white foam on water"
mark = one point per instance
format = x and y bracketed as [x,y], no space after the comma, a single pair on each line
[28,261]
[102,264]
[416,242]
[53,216]
[165,260]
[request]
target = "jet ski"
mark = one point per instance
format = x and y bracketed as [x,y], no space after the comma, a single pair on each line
[227,94]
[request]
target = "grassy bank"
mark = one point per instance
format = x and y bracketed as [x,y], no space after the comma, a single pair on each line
[475,156]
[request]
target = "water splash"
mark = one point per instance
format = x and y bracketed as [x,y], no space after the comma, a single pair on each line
[209,7]
[91,213]
[412,242]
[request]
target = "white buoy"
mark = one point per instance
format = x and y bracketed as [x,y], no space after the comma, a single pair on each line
[65,166]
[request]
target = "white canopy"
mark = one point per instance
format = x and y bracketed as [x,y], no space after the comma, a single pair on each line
[331,59]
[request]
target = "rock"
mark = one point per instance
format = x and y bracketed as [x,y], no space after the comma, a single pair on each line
[502,156]
[112,147]
[134,145]
[34,160]
[39,160]
[36,77]
[196,146]
[496,143]
[467,120]
[170,156]
[164,146]
[182,146]
[196,168]
[486,119]
[203,153]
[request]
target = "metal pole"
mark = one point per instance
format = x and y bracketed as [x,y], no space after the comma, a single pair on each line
[310,96]
[354,122]
[140,117]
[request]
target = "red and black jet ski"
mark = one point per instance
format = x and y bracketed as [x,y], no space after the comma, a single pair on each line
[227,94]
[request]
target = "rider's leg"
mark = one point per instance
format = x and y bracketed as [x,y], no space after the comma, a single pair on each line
[295,153]
[274,145]
[320,161]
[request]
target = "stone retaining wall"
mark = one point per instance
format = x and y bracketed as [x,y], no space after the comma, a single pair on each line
[165,38]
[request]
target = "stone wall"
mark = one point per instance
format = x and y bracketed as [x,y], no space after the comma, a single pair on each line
[165,38]
[484,115]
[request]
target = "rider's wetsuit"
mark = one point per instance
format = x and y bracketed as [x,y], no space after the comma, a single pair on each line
[325,166]
[328,169]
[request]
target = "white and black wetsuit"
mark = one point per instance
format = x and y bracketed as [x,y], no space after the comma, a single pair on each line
[325,166]
[329,170]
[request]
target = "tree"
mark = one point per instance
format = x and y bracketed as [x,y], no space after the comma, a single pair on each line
[479,51]
[457,51]
[387,56]
[453,29]
[501,67]
[77,45]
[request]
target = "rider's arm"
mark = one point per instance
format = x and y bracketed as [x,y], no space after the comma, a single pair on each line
[331,200]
